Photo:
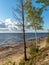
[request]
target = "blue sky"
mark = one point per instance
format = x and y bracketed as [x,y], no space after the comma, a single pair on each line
[6,8]
[6,12]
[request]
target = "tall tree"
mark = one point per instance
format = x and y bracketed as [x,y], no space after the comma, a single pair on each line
[45,3]
[19,14]
[23,30]
[34,17]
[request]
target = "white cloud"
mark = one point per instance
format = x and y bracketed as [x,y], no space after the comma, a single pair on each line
[1,21]
[11,25]
[8,22]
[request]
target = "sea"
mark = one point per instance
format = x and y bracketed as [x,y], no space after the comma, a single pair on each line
[12,38]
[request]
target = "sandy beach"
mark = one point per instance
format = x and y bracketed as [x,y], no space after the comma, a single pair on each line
[14,52]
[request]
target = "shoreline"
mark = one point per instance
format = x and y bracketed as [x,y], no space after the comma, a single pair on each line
[14,51]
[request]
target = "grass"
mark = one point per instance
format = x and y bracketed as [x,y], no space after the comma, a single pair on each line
[36,57]
[9,63]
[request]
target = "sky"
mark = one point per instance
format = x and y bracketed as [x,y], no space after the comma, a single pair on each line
[6,8]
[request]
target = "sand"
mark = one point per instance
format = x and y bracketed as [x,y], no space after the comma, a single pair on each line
[14,52]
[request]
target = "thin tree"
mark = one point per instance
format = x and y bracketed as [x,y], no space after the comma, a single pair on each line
[23,30]
[34,17]
[19,15]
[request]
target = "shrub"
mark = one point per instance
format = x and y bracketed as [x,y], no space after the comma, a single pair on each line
[28,62]
[47,38]
[22,62]
[33,50]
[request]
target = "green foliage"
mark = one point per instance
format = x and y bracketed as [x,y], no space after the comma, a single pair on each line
[34,18]
[46,2]
[34,15]
[35,57]
[22,62]
[29,63]
[32,50]
[47,38]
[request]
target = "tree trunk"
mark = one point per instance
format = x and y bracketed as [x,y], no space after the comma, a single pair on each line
[36,40]
[36,37]
[25,56]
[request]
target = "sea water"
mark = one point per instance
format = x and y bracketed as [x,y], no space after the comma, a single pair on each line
[11,38]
